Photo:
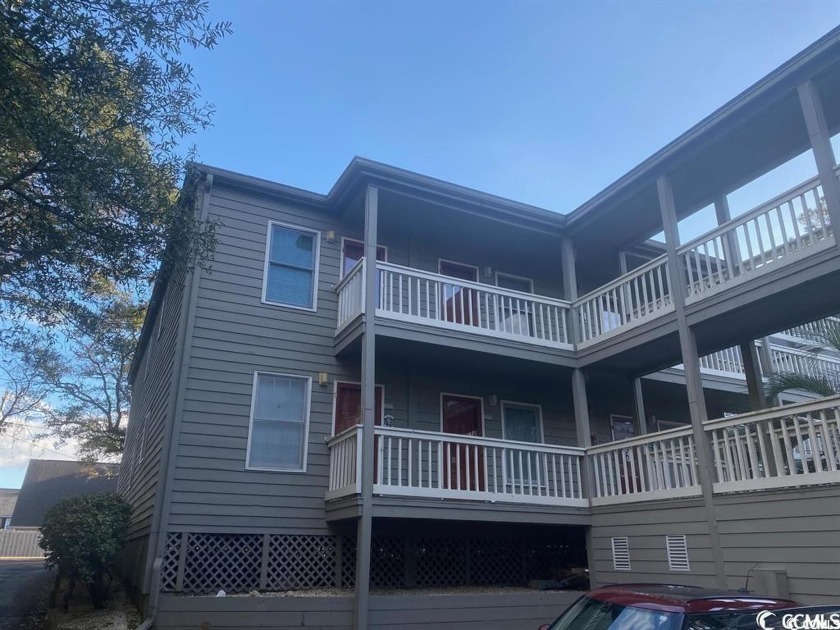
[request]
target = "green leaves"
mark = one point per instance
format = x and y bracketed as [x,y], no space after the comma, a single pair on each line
[94,103]
[83,535]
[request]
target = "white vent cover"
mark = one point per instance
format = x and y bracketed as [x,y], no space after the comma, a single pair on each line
[677,549]
[621,553]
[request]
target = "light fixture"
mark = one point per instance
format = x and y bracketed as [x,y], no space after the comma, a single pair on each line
[492,400]
[330,237]
[323,378]
[488,272]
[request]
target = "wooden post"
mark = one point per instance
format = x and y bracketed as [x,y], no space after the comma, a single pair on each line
[812,110]
[693,379]
[365,524]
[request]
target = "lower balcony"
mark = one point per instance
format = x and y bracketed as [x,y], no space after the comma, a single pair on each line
[425,465]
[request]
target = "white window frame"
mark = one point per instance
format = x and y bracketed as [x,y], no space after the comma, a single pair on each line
[478,398]
[461,264]
[315,271]
[307,413]
[515,403]
[514,277]
[335,401]
[344,239]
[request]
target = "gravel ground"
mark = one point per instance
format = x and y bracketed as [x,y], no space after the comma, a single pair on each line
[119,615]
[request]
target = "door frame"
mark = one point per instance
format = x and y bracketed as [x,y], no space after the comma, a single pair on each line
[515,277]
[454,395]
[338,382]
[356,240]
[460,264]
[618,416]
[540,425]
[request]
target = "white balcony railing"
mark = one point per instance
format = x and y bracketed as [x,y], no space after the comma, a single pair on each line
[413,463]
[351,295]
[638,296]
[806,363]
[411,295]
[793,225]
[793,445]
[345,463]
[657,466]
[811,333]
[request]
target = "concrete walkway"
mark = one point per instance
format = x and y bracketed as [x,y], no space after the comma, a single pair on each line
[22,582]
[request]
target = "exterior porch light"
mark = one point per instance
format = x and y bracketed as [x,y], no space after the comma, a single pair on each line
[323,378]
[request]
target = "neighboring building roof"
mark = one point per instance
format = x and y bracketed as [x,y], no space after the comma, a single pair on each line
[8,498]
[49,481]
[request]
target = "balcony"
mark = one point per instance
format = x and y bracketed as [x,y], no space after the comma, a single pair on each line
[414,296]
[430,465]
[786,229]
[790,446]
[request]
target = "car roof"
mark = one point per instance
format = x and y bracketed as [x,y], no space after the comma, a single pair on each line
[687,599]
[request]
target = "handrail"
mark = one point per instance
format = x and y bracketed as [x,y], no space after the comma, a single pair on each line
[359,265]
[640,439]
[468,284]
[723,228]
[772,413]
[479,441]
[613,284]
[344,435]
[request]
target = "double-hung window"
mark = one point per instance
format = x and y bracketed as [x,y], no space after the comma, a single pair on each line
[279,422]
[291,267]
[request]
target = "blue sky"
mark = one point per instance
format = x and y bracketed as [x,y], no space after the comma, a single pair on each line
[542,102]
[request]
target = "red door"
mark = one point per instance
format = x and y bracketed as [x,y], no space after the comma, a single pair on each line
[348,413]
[463,464]
[460,305]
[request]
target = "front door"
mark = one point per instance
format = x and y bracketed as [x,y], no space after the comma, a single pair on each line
[463,464]
[460,305]
[348,413]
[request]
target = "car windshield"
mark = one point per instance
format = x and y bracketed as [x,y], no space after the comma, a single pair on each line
[591,614]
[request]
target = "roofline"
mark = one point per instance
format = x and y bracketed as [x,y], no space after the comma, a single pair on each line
[361,169]
[721,115]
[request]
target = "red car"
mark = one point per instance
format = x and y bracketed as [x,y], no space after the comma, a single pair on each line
[664,607]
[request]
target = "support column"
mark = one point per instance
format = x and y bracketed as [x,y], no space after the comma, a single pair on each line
[812,110]
[731,249]
[691,364]
[639,404]
[567,256]
[752,370]
[365,525]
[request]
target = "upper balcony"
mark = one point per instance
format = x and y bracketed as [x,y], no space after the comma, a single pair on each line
[774,248]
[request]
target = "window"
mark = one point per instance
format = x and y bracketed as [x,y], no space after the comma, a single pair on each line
[514,283]
[291,267]
[621,553]
[677,549]
[353,251]
[522,423]
[279,422]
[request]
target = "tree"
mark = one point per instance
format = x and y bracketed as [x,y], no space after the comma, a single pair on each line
[94,105]
[82,537]
[83,375]
[818,379]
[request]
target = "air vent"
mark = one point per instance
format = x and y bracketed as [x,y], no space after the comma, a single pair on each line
[677,549]
[621,553]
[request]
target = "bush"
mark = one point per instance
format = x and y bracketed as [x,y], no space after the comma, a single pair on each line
[82,537]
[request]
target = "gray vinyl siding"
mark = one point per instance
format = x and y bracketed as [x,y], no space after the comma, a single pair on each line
[796,530]
[646,525]
[234,334]
[152,393]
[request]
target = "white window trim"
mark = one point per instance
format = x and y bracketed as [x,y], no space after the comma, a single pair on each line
[515,403]
[344,239]
[335,401]
[461,264]
[307,409]
[315,271]
[479,398]
[515,277]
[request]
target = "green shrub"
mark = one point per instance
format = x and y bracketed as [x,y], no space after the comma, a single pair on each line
[82,537]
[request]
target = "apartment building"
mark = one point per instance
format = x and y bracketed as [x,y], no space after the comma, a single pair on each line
[405,386]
